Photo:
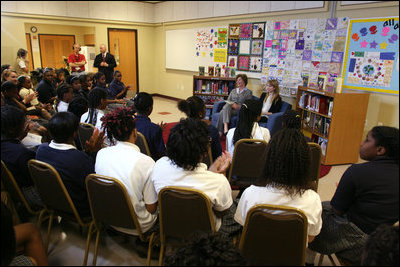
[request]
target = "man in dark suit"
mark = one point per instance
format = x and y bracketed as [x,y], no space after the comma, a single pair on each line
[105,62]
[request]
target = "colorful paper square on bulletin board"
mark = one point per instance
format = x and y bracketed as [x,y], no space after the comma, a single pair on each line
[232,61]
[277,25]
[234,30]
[243,62]
[233,48]
[245,30]
[257,47]
[331,24]
[255,64]
[244,47]
[258,30]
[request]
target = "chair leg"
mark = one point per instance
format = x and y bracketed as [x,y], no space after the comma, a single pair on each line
[46,247]
[160,259]
[321,257]
[96,247]
[149,249]
[331,259]
[89,236]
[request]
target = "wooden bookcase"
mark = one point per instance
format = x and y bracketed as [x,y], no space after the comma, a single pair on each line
[335,121]
[212,89]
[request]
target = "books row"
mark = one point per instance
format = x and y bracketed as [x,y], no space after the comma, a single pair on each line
[210,100]
[317,103]
[317,123]
[213,87]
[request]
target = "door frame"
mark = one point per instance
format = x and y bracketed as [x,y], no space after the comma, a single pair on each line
[136,51]
[30,50]
[40,50]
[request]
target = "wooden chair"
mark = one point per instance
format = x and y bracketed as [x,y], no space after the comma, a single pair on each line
[55,197]
[182,211]
[14,191]
[141,142]
[85,131]
[110,204]
[315,163]
[248,162]
[274,238]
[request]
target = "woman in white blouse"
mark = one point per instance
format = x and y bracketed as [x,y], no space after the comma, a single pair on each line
[247,127]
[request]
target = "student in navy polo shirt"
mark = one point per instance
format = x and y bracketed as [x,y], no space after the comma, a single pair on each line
[143,103]
[366,197]
[72,165]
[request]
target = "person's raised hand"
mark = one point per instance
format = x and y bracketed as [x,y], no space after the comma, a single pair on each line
[95,142]
[222,163]
[162,125]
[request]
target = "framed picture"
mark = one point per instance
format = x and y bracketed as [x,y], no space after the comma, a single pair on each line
[245,30]
[234,30]
[257,47]
[243,62]
[258,30]
[233,48]
[244,47]
[255,64]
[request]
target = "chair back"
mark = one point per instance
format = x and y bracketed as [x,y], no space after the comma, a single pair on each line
[141,142]
[183,211]
[208,159]
[13,189]
[110,203]
[315,163]
[85,131]
[248,160]
[274,239]
[52,191]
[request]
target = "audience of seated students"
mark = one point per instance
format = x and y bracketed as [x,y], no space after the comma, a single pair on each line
[143,103]
[65,95]
[22,238]
[205,249]
[233,103]
[285,181]
[60,77]
[117,89]
[249,115]
[36,76]
[46,89]
[187,145]
[131,167]
[367,196]
[382,247]
[86,85]
[72,165]
[194,107]
[21,65]
[99,81]
[9,75]
[14,127]
[12,98]
[76,85]
[271,100]
[25,89]
[97,104]
[78,106]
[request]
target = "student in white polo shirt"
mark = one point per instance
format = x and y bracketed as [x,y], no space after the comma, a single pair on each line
[187,144]
[124,162]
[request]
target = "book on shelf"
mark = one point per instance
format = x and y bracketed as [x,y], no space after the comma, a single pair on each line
[305,77]
[321,82]
[317,123]
[330,107]
[323,105]
[327,125]
[322,142]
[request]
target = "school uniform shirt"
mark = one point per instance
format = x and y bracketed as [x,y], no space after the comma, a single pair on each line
[134,170]
[257,132]
[62,106]
[100,114]
[115,88]
[214,185]
[309,202]
[73,166]
[153,134]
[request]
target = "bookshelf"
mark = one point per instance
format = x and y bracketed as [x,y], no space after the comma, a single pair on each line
[335,121]
[212,89]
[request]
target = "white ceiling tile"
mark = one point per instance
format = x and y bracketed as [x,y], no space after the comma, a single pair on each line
[55,8]
[221,8]
[149,10]
[99,10]
[179,10]
[78,9]
[9,6]
[259,6]
[308,4]
[135,11]
[118,10]
[31,7]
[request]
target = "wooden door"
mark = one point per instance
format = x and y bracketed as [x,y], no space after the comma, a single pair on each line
[53,48]
[123,45]
[29,48]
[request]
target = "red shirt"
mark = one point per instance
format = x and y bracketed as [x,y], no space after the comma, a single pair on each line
[76,58]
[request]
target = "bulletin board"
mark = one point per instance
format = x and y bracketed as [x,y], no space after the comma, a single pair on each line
[372,55]
[188,49]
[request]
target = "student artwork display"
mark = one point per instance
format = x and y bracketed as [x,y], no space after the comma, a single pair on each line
[246,46]
[372,55]
[297,52]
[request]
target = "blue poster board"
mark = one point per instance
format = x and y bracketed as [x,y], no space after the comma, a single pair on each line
[371,60]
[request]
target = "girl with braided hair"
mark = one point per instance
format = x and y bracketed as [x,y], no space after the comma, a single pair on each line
[130,166]
[97,105]
[286,181]
[194,107]
[249,115]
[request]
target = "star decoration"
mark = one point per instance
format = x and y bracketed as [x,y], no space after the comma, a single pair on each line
[363,44]
[373,44]
[383,45]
